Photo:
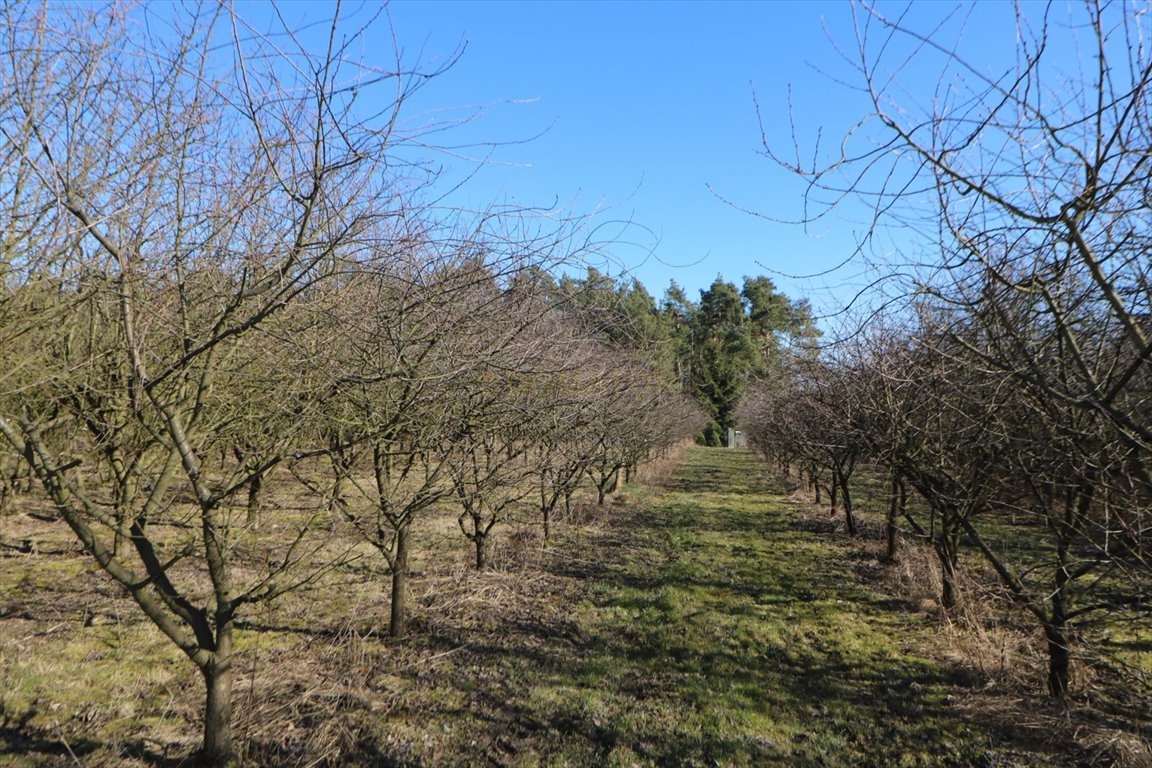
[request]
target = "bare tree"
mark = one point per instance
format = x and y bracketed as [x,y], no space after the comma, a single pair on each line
[173,190]
[498,411]
[405,347]
[802,416]
[384,428]
[1029,186]
[562,445]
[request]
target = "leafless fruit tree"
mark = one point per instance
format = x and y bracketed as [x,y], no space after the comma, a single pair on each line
[1029,353]
[177,187]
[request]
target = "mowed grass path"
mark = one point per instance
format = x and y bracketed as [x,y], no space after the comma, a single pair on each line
[708,624]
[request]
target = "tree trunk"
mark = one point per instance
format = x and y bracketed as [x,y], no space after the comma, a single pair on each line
[1059,657]
[834,492]
[217,674]
[849,518]
[949,598]
[602,489]
[947,549]
[399,617]
[896,505]
[547,523]
[255,486]
[1056,629]
[121,517]
[481,541]
[337,500]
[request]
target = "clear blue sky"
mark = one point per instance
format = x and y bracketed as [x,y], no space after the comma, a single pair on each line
[644,111]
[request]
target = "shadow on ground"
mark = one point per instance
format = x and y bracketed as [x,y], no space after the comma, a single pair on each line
[714,627]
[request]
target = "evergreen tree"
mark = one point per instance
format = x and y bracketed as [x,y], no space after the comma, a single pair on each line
[677,313]
[737,336]
[725,356]
[711,349]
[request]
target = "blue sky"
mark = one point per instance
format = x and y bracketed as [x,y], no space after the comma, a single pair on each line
[644,112]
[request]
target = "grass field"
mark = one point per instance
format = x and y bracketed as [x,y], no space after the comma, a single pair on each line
[709,619]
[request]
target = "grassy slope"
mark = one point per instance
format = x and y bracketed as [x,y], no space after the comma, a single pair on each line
[701,623]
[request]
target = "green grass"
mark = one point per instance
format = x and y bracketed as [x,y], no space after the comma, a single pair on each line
[705,621]
[720,632]
[1026,544]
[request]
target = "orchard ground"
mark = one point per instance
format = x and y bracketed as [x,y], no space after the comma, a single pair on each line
[708,617]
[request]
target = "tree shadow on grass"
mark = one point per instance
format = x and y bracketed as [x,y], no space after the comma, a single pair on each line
[19,737]
[647,695]
[841,705]
[44,746]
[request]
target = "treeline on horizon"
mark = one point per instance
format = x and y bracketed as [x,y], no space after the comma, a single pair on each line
[712,348]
